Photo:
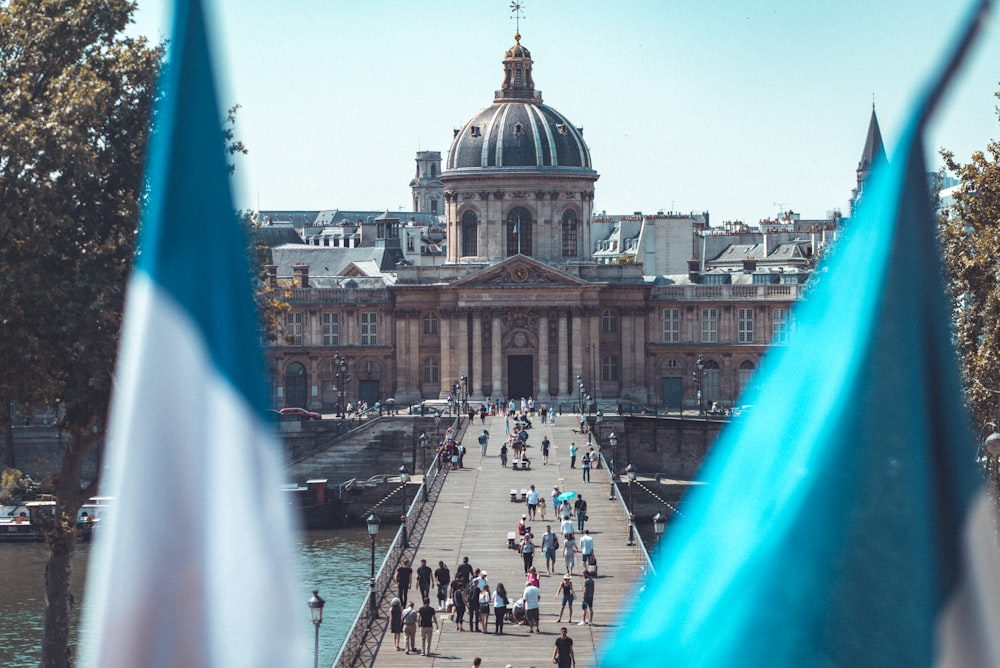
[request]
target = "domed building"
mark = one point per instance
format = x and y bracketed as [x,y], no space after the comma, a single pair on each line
[518,178]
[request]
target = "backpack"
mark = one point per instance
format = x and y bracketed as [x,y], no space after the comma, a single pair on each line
[482,439]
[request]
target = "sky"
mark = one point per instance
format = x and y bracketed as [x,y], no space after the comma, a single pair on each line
[739,108]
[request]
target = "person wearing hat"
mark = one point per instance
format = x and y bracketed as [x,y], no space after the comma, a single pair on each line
[522,525]
[566,591]
[527,550]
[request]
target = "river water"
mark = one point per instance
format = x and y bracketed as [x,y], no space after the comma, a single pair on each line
[337,563]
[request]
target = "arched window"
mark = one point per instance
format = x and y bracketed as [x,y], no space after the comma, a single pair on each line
[609,322]
[432,371]
[519,231]
[744,374]
[470,234]
[295,385]
[430,323]
[569,235]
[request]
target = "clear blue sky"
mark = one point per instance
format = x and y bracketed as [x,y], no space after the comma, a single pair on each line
[737,108]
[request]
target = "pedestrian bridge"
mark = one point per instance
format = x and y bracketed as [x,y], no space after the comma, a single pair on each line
[468,513]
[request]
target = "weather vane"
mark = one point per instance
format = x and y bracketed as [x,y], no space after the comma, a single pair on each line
[517,9]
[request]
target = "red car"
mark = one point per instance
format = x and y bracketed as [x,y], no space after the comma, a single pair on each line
[302,413]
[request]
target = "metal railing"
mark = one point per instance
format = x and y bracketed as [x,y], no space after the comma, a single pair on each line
[645,562]
[361,644]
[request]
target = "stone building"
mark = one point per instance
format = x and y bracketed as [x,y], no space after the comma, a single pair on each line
[538,296]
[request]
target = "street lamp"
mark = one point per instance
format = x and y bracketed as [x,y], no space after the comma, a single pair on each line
[630,474]
[316,604]
[613,440]
[373,523]
[437,426]
[340,365]
[701,384]
[423,451]
[404,477]
[465,392]
[579,383]
[659,524]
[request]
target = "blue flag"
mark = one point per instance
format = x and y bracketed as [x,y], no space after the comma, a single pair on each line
[196,566]
[837,524]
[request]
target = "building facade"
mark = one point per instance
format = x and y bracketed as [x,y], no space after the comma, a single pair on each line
[537,296]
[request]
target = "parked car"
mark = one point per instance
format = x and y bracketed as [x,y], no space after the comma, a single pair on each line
[302,413]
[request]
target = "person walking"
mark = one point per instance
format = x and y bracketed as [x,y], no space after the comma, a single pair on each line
[503,455]
[424,574]
[428,622]
[566,592]
[532,597]
[566,527]
[402,578]
[472,603]
[585,464]
[550,543]
[500,603]
[580,505]
[396,621]
[587,550]
[527,551]
[531,500]
[545,449]
[541,508]
[484,440]
[410,628]
[443,577]
[569,553]
[572,455]
[562,655]
[588,598]
[458,603]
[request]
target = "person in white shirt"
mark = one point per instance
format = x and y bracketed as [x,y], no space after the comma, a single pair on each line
[531,597]
[531,499]
[586,547]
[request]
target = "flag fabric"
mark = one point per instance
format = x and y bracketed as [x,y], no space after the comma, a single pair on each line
[197,565]
[517,227]
[844,522]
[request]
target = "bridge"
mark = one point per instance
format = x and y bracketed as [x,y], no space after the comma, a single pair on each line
[469,513]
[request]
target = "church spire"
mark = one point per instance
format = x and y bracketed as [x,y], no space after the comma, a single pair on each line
[873,152]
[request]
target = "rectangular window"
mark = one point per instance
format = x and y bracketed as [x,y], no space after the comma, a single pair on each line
[331,329]
[609,369]
[779,325]
[745,322]
[369,329]
[293,329]
[671,325]
[709,325]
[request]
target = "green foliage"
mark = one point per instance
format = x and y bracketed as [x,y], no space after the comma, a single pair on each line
[14,485]
[970,237]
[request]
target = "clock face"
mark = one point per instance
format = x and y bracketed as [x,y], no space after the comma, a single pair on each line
[519,274]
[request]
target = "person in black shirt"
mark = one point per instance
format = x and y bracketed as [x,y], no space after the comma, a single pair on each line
[443,577]
[402,576]
[562,654]
[424,579]
[464,571]
[427,619]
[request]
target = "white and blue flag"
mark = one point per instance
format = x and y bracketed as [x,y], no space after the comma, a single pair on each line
[197,565]
[844,522]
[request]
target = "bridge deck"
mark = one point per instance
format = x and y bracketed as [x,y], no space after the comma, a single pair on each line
[472,518]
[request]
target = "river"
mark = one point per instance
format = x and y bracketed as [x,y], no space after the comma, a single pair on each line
[337,563]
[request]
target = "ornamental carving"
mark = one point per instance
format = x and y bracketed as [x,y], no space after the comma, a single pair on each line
[554,194]
[519,194]
[539,194]
[483,194]
[497,194]
[525,321]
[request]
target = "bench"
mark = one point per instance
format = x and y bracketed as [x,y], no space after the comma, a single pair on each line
[513,496]
[512,540]
[522,466]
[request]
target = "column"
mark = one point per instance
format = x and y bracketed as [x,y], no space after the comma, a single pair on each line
[476,374]
[579,352]
[562,345]
[404,378]
[414,359]
[627,355]
[543,357]
[446,349]
[497,355]
[461,334]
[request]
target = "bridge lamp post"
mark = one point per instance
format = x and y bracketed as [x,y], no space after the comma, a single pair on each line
[316,604]
[404,477]
[373,524]
[465,392]
[579,384]
[659,524]
[613,440]
[630,474]
[701,384]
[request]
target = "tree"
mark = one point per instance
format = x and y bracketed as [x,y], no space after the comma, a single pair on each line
[75,105]
[970,236]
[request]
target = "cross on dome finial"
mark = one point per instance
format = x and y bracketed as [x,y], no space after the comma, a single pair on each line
[517,9]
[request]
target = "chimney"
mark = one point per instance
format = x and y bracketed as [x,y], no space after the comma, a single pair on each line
[693,273]
[300,272]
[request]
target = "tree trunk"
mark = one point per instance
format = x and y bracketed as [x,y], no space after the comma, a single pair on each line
[60,536]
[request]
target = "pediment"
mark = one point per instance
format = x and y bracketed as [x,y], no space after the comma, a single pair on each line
[520,271]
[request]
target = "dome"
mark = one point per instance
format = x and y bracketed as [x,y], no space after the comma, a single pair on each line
[518,134]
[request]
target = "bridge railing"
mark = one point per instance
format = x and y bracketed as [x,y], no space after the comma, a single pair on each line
[628,520]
